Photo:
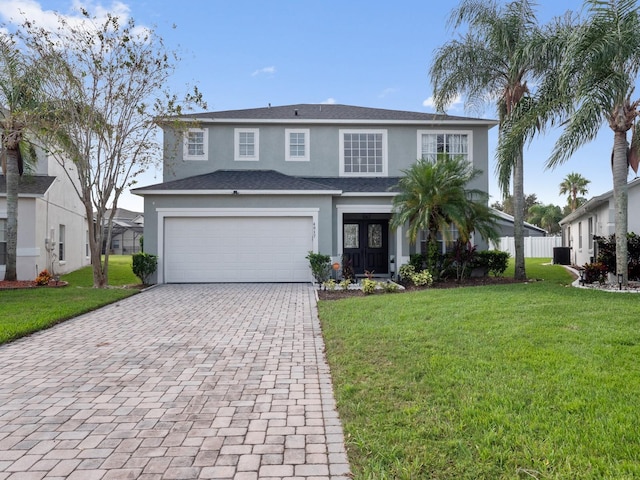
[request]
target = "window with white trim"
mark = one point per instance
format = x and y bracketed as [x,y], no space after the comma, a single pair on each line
[297,144]
[580,235]
[247,144]
[590,232]
[3,241]
[431,144]
[86,243]
[195,145]
[363,153]
[61,241]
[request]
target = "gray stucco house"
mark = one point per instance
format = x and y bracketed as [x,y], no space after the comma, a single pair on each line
[246,194]
[597,217]
[52,225]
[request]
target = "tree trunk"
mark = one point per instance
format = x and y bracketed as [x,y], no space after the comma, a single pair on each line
[12,179]
[95,245]
[518,216]
[620,169]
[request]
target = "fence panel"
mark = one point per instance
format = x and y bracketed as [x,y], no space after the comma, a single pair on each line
[534,247]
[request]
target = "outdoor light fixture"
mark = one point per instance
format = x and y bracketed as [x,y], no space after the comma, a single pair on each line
[620,277]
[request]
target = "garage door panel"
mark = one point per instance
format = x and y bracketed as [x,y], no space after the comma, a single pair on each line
[237,249]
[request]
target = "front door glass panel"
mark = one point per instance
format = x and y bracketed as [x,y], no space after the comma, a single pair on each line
[374,235]
[351,235]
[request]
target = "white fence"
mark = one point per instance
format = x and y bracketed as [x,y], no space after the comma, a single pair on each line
[534,247]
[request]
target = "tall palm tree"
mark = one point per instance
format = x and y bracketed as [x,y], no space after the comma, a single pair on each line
[433,195]
[600,69]
[492,63]
[574,184]
[19,103]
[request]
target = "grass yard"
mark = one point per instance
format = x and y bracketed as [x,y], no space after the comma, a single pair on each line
[26,311]
[522,381]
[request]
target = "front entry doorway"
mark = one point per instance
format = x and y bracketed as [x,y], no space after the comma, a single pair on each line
[366,245]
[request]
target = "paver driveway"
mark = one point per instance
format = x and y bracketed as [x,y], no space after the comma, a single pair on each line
[178,382]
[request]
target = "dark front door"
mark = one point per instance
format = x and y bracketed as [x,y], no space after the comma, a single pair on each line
[365,245]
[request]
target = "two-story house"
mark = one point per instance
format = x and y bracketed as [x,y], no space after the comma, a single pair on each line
[52,225]
[248,193]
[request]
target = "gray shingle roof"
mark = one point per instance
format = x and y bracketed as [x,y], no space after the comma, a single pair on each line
[272,180]
[336,112]
[239,180]
[359,184]
[29,184]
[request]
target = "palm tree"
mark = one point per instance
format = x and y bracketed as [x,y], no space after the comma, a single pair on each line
[574,184]
[492,62]
[600,69]
[19,97]
[433,195]
[546,216]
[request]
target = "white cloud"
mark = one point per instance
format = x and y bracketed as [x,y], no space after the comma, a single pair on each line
[266,70]
[387,91]
[329,101]
[455,105]
[16,11]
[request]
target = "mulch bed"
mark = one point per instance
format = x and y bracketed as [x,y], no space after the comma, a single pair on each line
[19,284]
[468,282]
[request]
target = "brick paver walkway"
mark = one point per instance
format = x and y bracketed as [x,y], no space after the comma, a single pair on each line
[178,382]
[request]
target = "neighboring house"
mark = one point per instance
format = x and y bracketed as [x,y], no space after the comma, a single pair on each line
[126,231]
[248,193]
[596,217]
[52,226]
[505,223]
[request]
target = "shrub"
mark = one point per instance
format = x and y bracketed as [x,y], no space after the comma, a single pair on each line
[607,254]
[344,284]
[347,269]
[43,277]
[495,261]
[330,285]
[422,279]
[368,286]
[462,255]
[144,265]
[594,272]
[406,271]
[389,286]
[320,266]
[418,261]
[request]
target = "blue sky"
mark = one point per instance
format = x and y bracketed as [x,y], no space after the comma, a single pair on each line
[249,53]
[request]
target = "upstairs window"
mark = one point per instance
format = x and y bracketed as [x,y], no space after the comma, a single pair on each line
[247,144]
[363,153]
[297,145]
[195,144]
[456,144]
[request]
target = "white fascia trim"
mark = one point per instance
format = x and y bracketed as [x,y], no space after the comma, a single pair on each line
[369,194]
[311,121]
[164,213]
[239,192]
[25,195]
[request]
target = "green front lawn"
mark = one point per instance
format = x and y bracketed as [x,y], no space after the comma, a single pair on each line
[523,381]
[26,311]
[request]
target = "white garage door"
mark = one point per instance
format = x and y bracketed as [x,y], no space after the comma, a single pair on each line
[237,249]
